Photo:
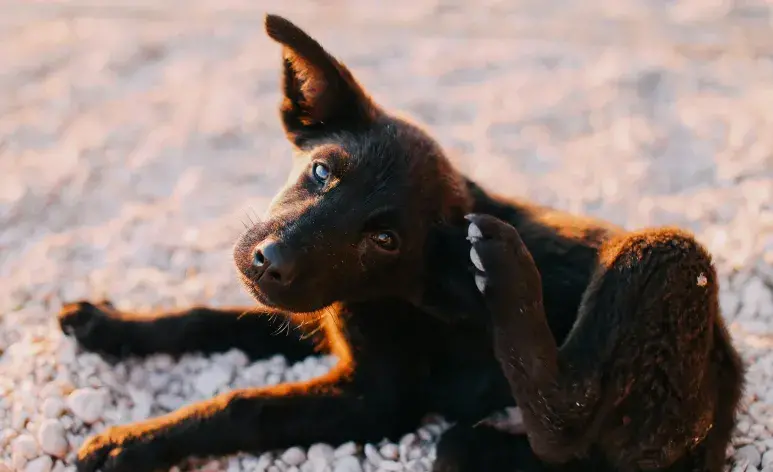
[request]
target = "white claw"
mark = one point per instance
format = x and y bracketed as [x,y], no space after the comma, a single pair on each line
[476,260]
[473,233]
[480,281]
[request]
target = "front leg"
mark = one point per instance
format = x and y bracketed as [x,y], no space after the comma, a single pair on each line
[328,409]
[556,406]
[101,328]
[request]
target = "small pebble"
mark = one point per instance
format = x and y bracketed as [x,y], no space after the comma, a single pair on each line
[321,453]
[391,466]
[53,407]
[390,451]
[347,464]
[767,459]
[372,454]
[25,446]
[41,464]
[294,456]
[749,454]
[346,449]
[87,404]
[52,439]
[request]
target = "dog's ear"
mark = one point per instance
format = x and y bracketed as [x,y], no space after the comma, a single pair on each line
[449,282]
[320,94]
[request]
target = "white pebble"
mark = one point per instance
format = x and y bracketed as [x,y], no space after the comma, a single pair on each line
[348,464]
[143,403]
[87,404]
[281,465]
[372,454]
[41,464]
[52,407]
[264,461]
[294,456]
[59,467]
[51,389]
[748,454]
[346,449]
[51,437]
[6,436]
[767,459]
[390,451]
[391,466]
[321,453]
[415,466]
[210,380]
[25,446]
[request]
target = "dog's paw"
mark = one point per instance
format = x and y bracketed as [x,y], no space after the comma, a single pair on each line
[118,449]
[90,324]
[503,267]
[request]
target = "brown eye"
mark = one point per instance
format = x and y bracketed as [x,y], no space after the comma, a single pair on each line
[386,240]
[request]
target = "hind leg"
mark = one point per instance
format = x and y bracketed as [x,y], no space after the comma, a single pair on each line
[638,378]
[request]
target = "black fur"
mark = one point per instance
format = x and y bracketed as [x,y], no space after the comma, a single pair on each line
[611,343]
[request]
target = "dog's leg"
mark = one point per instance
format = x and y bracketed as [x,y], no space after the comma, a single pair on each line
[326,409]
[101,328]
[641,375]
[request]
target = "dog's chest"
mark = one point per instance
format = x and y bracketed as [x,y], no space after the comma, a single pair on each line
[466,383]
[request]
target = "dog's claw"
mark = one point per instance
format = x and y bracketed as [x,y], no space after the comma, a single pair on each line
[475,258]
[480,281]
[474,233]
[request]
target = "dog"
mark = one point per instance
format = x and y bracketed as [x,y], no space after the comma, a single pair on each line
[438,296]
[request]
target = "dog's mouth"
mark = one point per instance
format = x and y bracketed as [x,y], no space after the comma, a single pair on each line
[256,293]
[297,297]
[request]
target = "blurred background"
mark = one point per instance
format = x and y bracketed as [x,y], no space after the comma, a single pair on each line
[136,136]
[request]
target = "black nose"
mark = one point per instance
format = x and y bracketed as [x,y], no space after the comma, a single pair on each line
[275,261]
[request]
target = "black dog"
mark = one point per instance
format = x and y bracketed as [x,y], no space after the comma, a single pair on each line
[437,296]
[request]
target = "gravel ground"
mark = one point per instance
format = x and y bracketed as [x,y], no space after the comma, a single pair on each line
[135,138]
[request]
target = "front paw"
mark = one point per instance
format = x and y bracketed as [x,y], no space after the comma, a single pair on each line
[504,269]
[92,325]
[119,449]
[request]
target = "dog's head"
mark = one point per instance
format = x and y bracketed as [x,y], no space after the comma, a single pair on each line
[372,207]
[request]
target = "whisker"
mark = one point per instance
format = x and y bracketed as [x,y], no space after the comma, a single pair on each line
[257,218]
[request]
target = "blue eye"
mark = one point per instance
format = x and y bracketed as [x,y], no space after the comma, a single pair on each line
[321,172]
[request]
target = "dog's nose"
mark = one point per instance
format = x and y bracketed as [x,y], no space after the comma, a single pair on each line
[274,260]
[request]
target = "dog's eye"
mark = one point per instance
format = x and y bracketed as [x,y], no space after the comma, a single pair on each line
[386,240]
[321,172]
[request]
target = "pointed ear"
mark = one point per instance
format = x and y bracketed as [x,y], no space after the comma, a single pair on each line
[320,94]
